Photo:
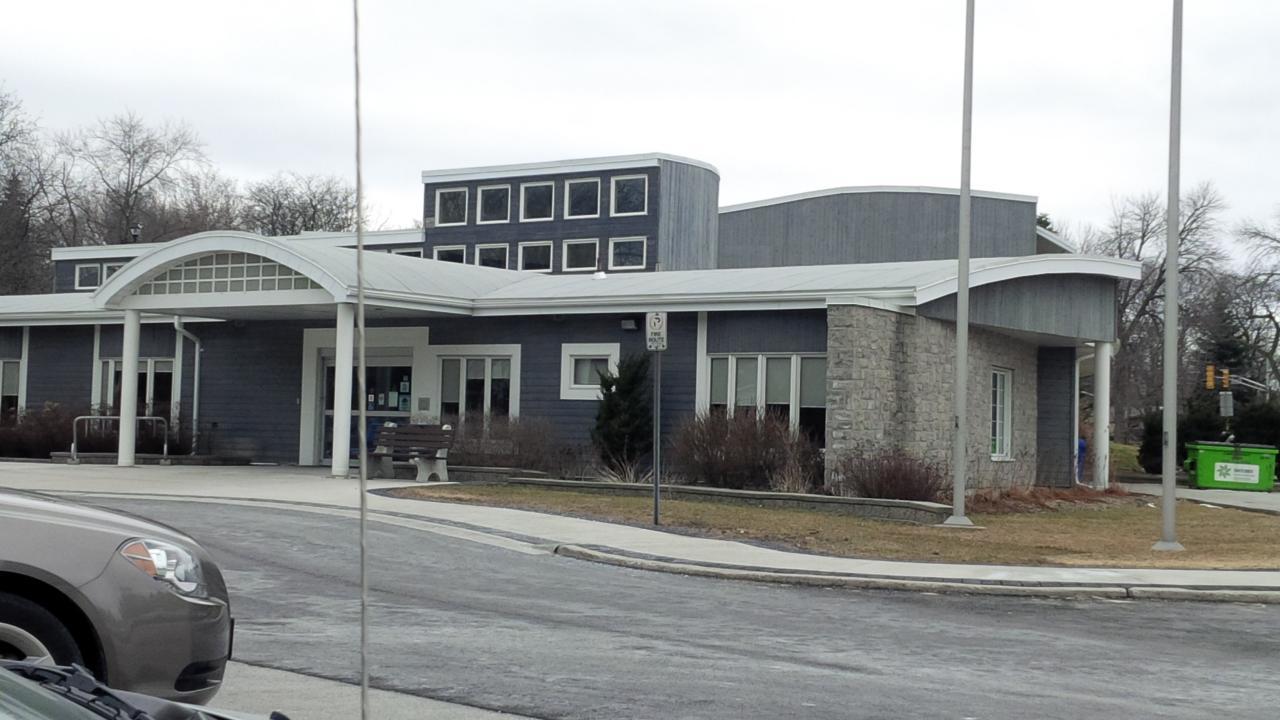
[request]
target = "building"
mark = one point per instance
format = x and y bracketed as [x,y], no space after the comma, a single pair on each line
[833,309]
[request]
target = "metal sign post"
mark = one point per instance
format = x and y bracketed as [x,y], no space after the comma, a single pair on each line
[655,337]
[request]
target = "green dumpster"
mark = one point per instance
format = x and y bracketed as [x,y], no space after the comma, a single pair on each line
[1230,466]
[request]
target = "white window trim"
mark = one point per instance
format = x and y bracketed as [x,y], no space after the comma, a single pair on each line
[436,353]
[506,263]
[644,254]
[98,266]
[146,366]
[435,251]
[114,268]
[550,244]
[793,412]
[567,194]
[480,205]
[613,195]
[572,351]
[564,255]
[466,206]
[548,183]
[1007,408]
[411,252]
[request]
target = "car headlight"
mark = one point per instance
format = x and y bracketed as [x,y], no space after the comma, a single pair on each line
[167,563]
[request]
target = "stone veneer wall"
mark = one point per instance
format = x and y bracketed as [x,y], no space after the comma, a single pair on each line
[889,380]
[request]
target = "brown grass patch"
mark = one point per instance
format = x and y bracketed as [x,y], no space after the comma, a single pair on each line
[1102,534]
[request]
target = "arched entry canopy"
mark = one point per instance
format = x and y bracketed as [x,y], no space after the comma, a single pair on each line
[242,275]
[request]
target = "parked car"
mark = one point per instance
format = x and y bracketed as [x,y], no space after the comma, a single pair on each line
[31,691]
[139,604]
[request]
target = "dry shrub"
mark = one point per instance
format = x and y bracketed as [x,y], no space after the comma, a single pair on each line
[888,473]
[524,443]
[741,452]
[39,433]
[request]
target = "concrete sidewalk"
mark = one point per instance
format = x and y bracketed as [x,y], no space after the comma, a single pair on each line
[311,488]
[1266,502]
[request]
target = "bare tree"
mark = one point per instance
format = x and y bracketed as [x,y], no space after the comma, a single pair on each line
[122,172]
[290,204]
[24,264]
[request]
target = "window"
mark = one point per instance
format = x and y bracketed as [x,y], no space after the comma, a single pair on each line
[451,207]
[226,272]
[474,388]
[411,252]
[450,253]
[537,201]
[1001,414]
[791,388]
[495,204]
[582,198]
[627,253]
[109,269]
[580,368]
[9,370]
[580,255]
[494,256]
[155,386]
[88,277]
[630,195]
[536,256]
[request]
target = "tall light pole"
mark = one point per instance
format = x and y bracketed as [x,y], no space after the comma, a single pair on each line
[1168,500]
[959,456]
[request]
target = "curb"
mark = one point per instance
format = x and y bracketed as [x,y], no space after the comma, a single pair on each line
[1114,592]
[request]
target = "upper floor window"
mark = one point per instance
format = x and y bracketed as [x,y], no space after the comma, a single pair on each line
[630,195]
[536,256]
[110,268]
[494,256]
[413,252]
[582,198]
[580,254]
[495,204]
[450,253]
[451,207]
[88,277]
[627,253]
[537,201]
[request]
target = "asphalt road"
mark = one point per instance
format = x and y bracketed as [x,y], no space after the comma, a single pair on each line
[546,636]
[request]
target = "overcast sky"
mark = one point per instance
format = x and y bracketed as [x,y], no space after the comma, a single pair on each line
[1071,96]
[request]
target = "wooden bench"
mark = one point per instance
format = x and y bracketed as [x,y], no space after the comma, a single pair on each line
[426,446]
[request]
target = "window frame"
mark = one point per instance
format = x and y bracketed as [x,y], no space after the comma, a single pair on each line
[410,252]
[480,205]
[1002,444]
[613,195]
[506,247]
[109,269]
[81,286]
[569,352]
[541,183]
[435,252]
[146,366]
[549,244]
[760,406]
[564,254]
[568,195]
[466,206]
[644,253]
[17,393]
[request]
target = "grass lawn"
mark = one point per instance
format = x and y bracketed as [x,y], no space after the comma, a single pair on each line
[1115,534]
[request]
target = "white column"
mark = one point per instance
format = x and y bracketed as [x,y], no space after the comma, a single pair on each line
[344,347]
[128,409]
[1101,414]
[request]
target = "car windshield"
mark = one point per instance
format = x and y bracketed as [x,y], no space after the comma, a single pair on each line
[21,699]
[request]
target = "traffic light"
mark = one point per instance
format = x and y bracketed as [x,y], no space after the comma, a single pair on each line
[1226,379]
[1209,371]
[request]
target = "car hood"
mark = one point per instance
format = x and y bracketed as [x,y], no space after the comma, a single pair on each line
[56,510]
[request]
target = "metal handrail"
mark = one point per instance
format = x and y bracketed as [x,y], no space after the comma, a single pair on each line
[75,430]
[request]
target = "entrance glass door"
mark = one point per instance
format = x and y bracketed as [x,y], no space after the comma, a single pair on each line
[388,381]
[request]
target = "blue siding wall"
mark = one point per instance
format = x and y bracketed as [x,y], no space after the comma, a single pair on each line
[557,229]
[61,369]
[10,342]
[767,331]
[155,340]
[1055,390]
